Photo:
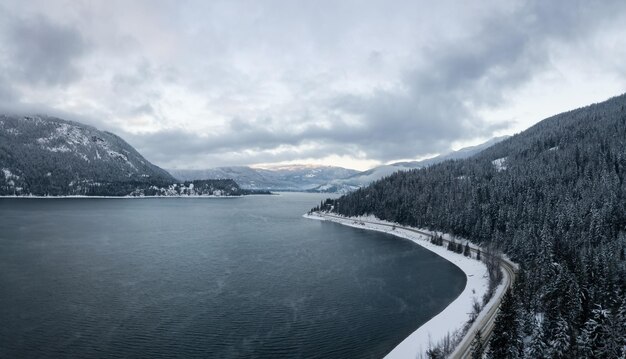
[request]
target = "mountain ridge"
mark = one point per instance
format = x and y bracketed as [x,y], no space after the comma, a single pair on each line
[314,178]
[48,156]
[358,180]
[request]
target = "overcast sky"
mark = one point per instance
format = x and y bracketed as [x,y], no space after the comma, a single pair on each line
[197,84]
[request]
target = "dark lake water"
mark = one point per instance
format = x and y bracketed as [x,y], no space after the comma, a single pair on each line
[210,278]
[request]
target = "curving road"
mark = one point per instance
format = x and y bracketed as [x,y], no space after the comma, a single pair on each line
[486,320]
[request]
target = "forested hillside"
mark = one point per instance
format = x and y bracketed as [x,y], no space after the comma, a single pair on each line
[43,155]
[553,198]
[362,179]
[47,156]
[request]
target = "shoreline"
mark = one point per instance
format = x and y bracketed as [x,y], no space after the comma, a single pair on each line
[455,316]
[118,197]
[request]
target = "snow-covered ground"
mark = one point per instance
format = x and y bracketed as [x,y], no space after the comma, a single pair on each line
[456,314]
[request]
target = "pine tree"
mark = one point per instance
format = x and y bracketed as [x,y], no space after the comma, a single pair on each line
[435,353]
[451,246]
[601,336]
[505,341]
[620,326]
[560,345]
[538,347]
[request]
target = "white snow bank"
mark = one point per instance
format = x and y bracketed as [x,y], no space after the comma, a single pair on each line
[456,314]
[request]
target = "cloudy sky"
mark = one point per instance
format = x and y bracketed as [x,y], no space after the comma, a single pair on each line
[196,84]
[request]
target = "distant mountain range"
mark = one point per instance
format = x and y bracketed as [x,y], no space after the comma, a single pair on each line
[47,156]
[286,178]
[325,179]
[361,179]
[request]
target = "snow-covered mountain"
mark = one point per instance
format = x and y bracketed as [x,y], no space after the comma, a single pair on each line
[290,178]
[464,152]
[318,178]
[361,179]
[43,155]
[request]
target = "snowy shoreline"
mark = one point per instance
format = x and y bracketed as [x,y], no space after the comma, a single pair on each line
[119,197]
[455,316]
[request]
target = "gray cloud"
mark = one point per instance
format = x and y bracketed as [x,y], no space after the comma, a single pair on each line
[193,151]
[476,70]
[7,93]
[44,52]
[217,83]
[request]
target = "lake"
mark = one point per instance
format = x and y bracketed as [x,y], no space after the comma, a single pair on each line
[207,278]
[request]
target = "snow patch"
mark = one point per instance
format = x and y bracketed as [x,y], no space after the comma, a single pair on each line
[62,148]
[36,120]
[117,155]
[72,134]
[500,164]
[9,175]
